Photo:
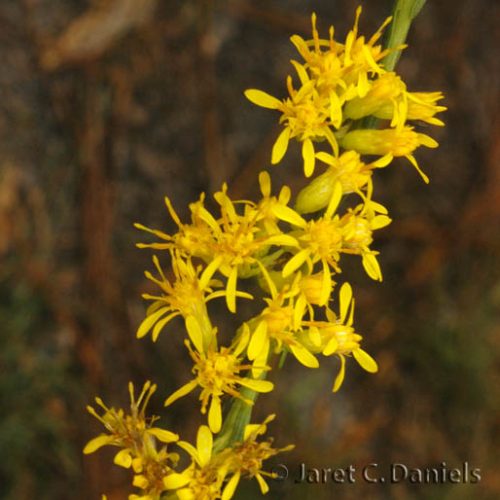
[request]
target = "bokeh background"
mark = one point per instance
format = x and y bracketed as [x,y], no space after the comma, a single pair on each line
[109,105]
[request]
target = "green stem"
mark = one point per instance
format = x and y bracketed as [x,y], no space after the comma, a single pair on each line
[238,417]
[403,14]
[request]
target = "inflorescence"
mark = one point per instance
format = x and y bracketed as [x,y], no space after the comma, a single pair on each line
[293,250]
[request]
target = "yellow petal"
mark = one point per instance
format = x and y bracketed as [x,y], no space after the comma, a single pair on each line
[251,429]
[325,158]
[301,72]
[330,136]
[230,487]
[141,482]
[372,267]
[215,415]
[159,326]
[257,385]
[208,272]
[304,356]
[334,200]
[98,442]
[149,321]
[176,480]
[282,240]
[208,218]
[295,262]
[123,458]
[260,361]
[330,347]
[204,442]
[242,341]
[231,290]
[383,161]
[264,488]
[427,141]
[257,341]
[289,215]
[265,184]
[179,393]
[363,85]
[380,221]
[195,333]
[280,146]
[378,207]
[308,157]
[340,377]
[189,448]
[262,99]
[298,311]
[326,285]
[345,300]
[163,435]
[300,45]
[365,360]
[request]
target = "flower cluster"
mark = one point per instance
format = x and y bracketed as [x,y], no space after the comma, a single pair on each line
[212,474]
[340,84]
[293,249]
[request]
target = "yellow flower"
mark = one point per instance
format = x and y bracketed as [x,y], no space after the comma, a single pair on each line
[217,373]
[191,239]
[337,337]
[271,209]
[389,143]
[238,245]
[186,296]
[215,475]
[388,91]
[137,437]
[341,70]
[246,458]
[204,478]
[275,327]
[388,99]
[233,244]
[421,106]
[313,291]
[306,115]
[357,226]
[319,240]
[348,169]
[333,74]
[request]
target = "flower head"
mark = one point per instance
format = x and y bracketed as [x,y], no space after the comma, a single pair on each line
[357,227]
[215,474]
[204,478]
[337,336]
[319,240]
[246,458]
[389,143]
[276,326]
[218,372]
[137,438]
[185,296]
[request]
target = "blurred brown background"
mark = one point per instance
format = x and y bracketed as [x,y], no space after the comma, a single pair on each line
[109,105]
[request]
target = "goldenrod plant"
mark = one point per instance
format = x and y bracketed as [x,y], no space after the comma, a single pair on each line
[293,248]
